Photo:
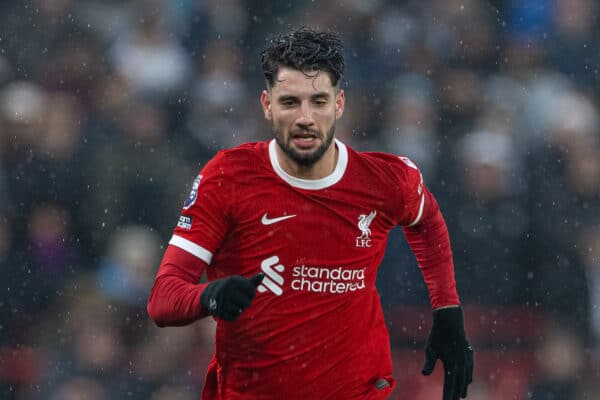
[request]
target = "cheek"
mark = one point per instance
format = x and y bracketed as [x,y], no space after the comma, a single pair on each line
[283,119]
[325,117]
[280,125]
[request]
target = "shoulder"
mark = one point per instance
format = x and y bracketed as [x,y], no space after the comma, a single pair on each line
[237,159]
[246,150]
[389,166]
[221,175]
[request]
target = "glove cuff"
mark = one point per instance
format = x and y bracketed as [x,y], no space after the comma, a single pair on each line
[205,297]
[450,321]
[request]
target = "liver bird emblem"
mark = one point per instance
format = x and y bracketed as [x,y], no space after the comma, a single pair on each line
[364,221]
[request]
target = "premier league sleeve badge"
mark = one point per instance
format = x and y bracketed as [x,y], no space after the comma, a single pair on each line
[191,199]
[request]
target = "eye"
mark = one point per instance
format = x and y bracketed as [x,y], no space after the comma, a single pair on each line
[287,102]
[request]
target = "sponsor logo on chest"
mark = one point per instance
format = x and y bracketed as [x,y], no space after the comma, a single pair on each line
[310,279]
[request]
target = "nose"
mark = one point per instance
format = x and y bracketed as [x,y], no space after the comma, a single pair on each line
[305,118]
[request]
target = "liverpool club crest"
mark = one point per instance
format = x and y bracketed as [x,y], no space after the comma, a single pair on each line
[364,222]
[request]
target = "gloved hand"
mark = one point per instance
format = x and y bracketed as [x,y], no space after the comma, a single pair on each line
[447,341]
[226,298]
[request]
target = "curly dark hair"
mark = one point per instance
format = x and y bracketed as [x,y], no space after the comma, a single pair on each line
[305,50]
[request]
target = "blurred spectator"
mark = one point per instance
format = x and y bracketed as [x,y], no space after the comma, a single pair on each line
[171,357]
[108,19]
[575,40]
[45,154]
[588,247]
[565,196]
[354,129]
[490,221]
[5,203]
[47,259]
[54,154]
[95,338]
[75,65]
[79,389]
[8,299]
[128,267]
[30,32]
[50,247]
[173,393]
[460,94]
[410,128]
[222,114]
[82,338]
[228,19]
[540,105]
[148,57]
[560,360]
[468,37]
[22,104]
[5,70]
[131,177]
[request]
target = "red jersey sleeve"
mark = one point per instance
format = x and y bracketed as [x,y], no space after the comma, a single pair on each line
[410,190]
[175,296]
[204,219]
[426,233]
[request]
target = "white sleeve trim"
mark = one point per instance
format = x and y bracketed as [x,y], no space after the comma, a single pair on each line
[192,248]
[420,214]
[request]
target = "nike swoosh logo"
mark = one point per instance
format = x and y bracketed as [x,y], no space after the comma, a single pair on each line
[268,221]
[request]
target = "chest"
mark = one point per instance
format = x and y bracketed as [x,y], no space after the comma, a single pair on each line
[324,226]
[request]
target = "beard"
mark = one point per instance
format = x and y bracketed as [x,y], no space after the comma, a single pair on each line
[304,159]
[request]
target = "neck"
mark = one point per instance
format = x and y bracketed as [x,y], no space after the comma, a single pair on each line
[322,168]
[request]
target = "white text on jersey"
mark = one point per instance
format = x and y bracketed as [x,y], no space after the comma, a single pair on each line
[327,280]
[334,280]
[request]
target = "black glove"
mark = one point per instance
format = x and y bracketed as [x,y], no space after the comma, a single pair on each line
[447,341]
[226,298]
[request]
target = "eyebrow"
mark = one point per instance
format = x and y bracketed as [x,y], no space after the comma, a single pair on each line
[319,95]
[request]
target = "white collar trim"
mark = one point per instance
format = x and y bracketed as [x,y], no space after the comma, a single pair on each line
[312,184]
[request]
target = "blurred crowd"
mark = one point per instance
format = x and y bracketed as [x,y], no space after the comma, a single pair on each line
[108,109]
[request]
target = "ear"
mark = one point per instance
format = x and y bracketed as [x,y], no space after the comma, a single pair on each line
[265,101]
[340,102]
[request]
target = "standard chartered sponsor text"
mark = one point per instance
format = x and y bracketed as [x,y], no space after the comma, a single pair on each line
[327,280]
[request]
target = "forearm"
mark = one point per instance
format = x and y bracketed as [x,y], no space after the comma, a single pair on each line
[175,296]
[430,242]
[175,301]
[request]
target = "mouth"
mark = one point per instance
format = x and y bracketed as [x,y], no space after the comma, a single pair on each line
[304,139]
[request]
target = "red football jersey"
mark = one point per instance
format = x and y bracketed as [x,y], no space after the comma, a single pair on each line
[316,327]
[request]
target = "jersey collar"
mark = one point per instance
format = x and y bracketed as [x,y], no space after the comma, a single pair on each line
[312,184]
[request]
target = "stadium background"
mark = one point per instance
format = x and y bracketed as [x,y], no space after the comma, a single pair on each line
[109,108]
